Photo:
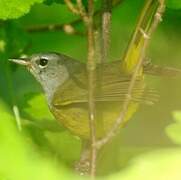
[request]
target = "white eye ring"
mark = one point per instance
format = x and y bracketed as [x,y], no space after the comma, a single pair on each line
[43,63]
[42,67]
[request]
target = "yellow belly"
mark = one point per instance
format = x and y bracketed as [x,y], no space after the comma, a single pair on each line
[75,117]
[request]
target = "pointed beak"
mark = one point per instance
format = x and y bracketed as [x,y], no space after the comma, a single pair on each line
[21,61]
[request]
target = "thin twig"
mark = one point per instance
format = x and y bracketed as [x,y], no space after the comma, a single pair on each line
[91,79]
[82,11]
[67,28]
[87,18]
[79,10]
[72,7]
[127,101]
[106,26]
[98,47]
[81,6]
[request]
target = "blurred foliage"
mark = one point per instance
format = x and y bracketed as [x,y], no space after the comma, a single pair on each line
[19,160]
[44,149]
[175,4]
[174,130]
[158,164]
[11,9]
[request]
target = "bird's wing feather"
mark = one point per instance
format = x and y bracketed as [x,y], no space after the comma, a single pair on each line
[112,85]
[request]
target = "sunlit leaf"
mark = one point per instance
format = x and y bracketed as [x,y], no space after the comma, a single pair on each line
[19,160]
[177,116]
[159,165]
[11,9]
[174,130]
[37,107]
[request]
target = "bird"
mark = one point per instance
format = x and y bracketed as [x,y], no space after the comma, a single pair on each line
[64,81]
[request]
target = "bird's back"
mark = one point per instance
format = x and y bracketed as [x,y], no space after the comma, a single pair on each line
[70,105]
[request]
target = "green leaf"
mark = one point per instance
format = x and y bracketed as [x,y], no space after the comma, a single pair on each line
[159,165]
[173,4]
[11,9]
[174,132]
[37,107]
[16,39]
[177,116]
[19,160]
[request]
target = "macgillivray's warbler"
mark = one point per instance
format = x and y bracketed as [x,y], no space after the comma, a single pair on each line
[64,81]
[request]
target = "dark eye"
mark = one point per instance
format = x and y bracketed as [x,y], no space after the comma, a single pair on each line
[43,62]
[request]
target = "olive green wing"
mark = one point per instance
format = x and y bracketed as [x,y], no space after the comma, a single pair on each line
[164,71]
[111,85]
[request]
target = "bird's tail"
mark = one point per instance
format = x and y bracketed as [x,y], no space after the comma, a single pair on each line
[163,71]
[135,46]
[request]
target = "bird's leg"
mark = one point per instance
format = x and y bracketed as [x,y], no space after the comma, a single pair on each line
[83,165]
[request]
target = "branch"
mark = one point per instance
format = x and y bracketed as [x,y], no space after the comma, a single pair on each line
[87,18]
[79,10]
[67,28]
[82,11]
[119,121]
[106,26]
[72,7]
[91,65]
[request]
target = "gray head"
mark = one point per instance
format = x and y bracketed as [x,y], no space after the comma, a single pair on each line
[48,68]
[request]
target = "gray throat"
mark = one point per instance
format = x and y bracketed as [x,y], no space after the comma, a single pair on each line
[50,86]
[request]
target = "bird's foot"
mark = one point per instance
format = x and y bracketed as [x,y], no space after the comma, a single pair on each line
[83,165]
